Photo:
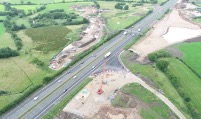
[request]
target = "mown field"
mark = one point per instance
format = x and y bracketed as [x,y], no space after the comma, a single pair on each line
[160,110]
[190,83]
[158,78]
[192,55]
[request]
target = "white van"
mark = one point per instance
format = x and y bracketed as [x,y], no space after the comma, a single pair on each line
[107,54]
[125,32]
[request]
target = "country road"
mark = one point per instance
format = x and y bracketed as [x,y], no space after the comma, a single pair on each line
[55,91]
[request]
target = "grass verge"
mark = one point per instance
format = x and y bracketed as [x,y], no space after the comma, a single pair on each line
[66,100]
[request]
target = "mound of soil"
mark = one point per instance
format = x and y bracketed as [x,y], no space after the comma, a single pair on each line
[65,115]
[197,39]
[175,52]
[106,111]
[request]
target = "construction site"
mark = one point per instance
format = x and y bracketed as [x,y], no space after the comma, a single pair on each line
[94,101]
[174,28]
[98,94]
[89,37]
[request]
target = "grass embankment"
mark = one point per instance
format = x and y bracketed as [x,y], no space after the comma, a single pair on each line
[151,111]
[158,78]
[56,109]
[192,55]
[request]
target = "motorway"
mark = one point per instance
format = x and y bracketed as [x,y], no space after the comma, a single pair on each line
[55,91]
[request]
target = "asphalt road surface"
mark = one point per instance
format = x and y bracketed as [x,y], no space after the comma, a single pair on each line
[52,93]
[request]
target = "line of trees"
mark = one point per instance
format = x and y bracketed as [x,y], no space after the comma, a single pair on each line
[12,26]
[17,41]
[56,17]
[2,92]
[121,6]
[97,5]
[156,55]
[7,52]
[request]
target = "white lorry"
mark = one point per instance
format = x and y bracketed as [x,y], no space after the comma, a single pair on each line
[107,54]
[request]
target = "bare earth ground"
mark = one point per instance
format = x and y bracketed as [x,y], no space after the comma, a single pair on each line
[170,30]
[89,37]
[87,104]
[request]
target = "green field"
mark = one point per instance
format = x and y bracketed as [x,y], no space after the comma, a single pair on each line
[48,38]
[33,1]
[192,55]
[14,79]
[116,19]
[190,83]
[26,7]
[198,20]
[1,7]
[5,40]
[2,29]
[158,78]
[160,110]
[66,6]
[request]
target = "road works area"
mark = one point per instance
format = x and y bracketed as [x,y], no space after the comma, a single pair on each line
[87,104]
[173,28]
[89,37]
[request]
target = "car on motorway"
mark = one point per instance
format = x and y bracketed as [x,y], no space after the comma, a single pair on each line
[68,72]
[59,81]
[65,90]
[35,98]
[139,30]
[74,77]
[133,34]
[93,67]
[82,62]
